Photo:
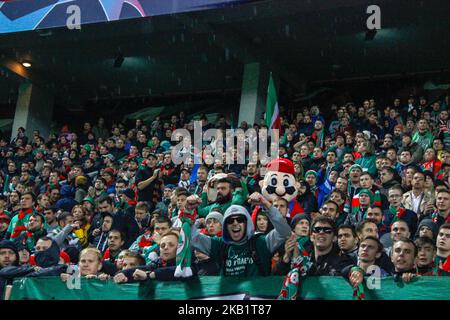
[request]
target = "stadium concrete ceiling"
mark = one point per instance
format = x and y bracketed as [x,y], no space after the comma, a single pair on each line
[302,41]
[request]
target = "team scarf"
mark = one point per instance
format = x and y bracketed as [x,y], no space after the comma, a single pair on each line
[397,213]
[434,166]
[299,269]
[318,137]
[147,240]
[31,238]
[375,199]
[444,270]
[435,217]
[150,253]
[184,252]
[358,292]
[20,224]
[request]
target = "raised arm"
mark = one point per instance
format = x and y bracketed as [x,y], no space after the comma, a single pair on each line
[281,230]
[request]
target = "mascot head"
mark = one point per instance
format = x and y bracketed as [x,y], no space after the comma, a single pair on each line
[279,180]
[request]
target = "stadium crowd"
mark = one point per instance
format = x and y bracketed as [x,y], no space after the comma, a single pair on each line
[372,182]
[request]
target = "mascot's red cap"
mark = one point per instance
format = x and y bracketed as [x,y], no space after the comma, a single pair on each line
[281,165]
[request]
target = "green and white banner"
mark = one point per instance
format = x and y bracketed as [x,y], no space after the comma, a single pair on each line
[326,288]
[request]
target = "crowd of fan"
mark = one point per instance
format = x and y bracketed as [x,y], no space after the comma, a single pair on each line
[373,190]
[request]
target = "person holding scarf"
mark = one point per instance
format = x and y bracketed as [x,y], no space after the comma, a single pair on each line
[327,186]
[318,135]
[19,221]
[359,205]
[34,231]
[162,268]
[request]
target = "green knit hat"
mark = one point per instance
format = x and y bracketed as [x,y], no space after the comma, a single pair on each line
[311,172]
[87,147]
[355,166]
[368,192]
[90,200]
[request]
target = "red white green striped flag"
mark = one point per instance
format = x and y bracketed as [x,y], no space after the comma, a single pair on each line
[272,112]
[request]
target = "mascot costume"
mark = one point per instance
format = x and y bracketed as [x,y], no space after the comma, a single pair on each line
[279,182]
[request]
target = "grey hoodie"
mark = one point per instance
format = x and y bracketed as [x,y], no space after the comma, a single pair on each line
[273,239]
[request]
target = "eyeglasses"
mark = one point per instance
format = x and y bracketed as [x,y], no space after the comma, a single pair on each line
[239,219]
[327,230]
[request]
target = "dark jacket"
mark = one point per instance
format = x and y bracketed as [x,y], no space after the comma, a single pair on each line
[308,201]
[330,264]
[125,222]
[48,260]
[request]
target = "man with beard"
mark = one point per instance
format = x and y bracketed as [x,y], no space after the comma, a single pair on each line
[197,186]
[226,196]
[99,189]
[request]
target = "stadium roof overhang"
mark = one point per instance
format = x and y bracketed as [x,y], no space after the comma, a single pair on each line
[302,41]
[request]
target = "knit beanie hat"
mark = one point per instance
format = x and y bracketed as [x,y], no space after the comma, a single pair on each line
[430,225]
[215,215]
[87,147]
[7,244]
[90,200]
[298,218]
[311,172]
[355,200]
[368,192]
[356,166]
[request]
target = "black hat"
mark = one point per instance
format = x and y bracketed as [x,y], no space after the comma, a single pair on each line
[297,218]
[129,193]
[7,244]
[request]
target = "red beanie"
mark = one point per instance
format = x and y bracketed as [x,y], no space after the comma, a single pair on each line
[281,165]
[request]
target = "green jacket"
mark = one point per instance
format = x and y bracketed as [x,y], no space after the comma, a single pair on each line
[204,209]
[424,140]
[368,162]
